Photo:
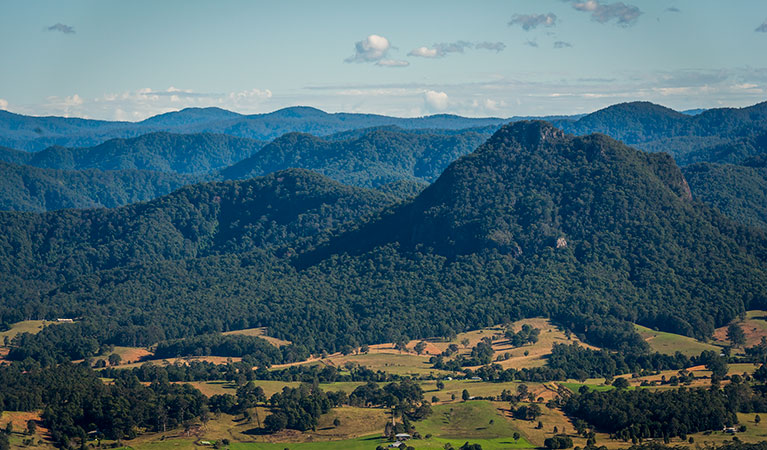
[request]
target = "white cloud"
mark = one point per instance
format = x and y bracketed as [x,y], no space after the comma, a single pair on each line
[622,13]
[424,52]
[435,101]
[531,21]
[253,94]
[3,103]
[562,44]
[392,63]
[371,49]
[497,46]
[147,102]
[442,49]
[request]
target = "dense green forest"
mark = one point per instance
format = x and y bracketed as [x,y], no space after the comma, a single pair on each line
[280,210]
[735,151]
[583,230]
[26,188]
[377,157]
[740,192]
[643,414]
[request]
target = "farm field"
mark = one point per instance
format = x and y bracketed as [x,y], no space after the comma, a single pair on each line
[670,343]
[26,326]
[754,327]
[260,332]
[489,423]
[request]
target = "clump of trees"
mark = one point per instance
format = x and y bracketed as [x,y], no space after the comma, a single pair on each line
[526,335]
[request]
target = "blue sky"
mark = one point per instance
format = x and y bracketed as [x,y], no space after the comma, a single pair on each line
[129,60]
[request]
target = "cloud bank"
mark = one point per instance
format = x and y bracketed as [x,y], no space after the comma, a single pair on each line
[440,50]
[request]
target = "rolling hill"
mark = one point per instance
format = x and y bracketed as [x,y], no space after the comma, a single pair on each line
[379,156]
[161,152]
[689,139]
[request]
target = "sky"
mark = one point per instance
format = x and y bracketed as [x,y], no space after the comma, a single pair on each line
[129,60]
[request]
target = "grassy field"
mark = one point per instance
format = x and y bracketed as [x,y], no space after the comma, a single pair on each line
[27,326]
[669,343]
[262,333]
[754,327]
[392,362]
[41,438]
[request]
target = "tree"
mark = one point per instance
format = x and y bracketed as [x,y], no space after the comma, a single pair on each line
[516,435]
[440,385]
[465,395]
[275,422]
[114,359]
[621,383]
[31,427]
[558,442]
[736,335]
[465,342]
[336,422]
[757,419]
[420,347]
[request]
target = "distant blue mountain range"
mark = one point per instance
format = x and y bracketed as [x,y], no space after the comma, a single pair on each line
[37,133]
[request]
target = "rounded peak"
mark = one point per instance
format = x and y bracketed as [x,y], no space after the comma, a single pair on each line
[639,108]
[298,112]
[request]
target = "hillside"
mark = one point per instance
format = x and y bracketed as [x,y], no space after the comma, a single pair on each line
[583,230]
[379,156]
[25,188]
[737,151]
[687,138]
[283,209]
[580,216]
[740,192]
[161,152]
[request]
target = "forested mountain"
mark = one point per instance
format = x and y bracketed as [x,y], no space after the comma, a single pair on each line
[583,230]
[281,209]
[26,188]
[404,159]
[161,152]
[36,133]
[740,192]
[379,156]
[650,127]
[596,218]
